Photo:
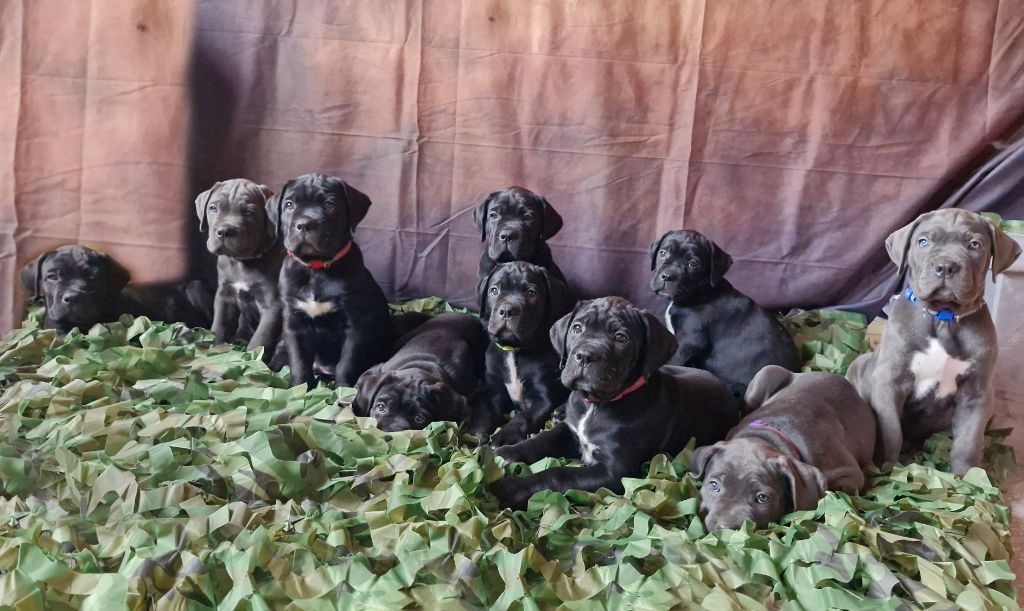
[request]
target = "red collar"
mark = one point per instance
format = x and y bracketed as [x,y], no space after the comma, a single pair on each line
[318,264]
[635,385]
[761,424]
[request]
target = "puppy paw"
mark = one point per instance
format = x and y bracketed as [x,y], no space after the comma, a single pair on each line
[507,436]
[509,493]
[508,453]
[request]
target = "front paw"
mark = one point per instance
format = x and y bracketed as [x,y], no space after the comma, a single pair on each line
[508,453]
[507,436]
[510,493]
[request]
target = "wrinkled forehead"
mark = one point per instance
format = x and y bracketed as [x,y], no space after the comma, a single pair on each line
[516,274]
[75,259]
[685,241]
[313,187]
[953,225]
[513,200]
[239,192]
[609,314]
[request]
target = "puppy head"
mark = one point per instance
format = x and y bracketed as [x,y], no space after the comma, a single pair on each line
[607,343]
[406,399]
[513,222]
[316,215]
[236,211]
[744,479]
[79,286]
[518,303]
[685,263]
[947,253]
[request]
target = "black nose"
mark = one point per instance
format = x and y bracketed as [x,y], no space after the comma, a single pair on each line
[667,276]
[506,310]
[226,232]
[583,356]
[508,235]
[70,297]
[306,225]
[947,269]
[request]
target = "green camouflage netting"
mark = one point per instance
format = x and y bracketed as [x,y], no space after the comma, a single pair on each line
[143,467]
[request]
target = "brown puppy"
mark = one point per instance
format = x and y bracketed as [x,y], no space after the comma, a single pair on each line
[808,433]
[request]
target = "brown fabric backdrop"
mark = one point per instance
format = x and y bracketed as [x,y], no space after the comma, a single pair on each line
[797,135]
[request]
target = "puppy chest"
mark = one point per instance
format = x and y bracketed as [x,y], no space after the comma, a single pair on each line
[314,305]
[936,371]
[513,383]
[584,431]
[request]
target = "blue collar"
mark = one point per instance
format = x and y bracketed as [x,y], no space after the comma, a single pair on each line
[943,315]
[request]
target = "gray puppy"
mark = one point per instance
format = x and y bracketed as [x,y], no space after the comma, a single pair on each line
[808,433]
[933,368]
[249,257]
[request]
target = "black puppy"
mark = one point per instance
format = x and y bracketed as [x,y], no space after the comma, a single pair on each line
[437,366]
[625,406]
[335,314]
[518,304]
[515,223]
[81,287]
[249,257]
[718,328]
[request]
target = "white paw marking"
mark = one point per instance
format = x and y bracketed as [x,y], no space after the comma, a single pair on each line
[240,286]
[513,384]
[668,318]
[314,308]
[587,447]
[934,369]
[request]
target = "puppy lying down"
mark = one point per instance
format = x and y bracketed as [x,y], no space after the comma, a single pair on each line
[625,406]
[807,433]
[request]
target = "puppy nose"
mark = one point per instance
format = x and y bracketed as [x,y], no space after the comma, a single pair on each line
[306,225]
[946,269]
[507,310]
[666,276]
[508,235]
[583,356]
[226,232]
[70,297]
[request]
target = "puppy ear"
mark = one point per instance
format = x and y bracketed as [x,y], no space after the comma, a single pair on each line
[770,380]
[1005,249]
[806,483]
[274,207]
[898,244]
[117,275]
[660,344]
[655,247]
[366,389]
[270,225]
[702,457]
[358,204]
[720,262]
[203,202]
[559,334]
[32,275]
[558,296]
[551,221]
[480,214]
[481,293]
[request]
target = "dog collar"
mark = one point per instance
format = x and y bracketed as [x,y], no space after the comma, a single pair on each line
[506,348]
[318,264]
[943,315]
[635,385]
[764,426]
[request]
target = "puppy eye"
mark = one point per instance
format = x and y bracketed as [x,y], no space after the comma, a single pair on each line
[923,243]
[692,263]
[493,215]
[328,205]
[527,217]
[762,499]
[577,328]
[420,418]
[380,408]
[51,276]
[713,486]
[621,337]
[212,208]
[531,293]
[288,205]
[662,253]
[494,290]
[974,245]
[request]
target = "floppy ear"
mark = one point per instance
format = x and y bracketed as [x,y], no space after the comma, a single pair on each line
[660,344]
[366,389]
[720,262]
[806,483]
[559,334]
[770,380]
[358,204]
[274,207]
[558,296]
[117,275]
[702,457]
[551,221]
[480,214]
[898,244]
[451,405]
[1005,249]
[32,275]
[203,202]
[267,194]
[481,293]
[655,247]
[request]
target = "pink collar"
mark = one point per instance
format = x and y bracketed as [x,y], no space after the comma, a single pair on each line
[761,424]
[318,264]
[635,385]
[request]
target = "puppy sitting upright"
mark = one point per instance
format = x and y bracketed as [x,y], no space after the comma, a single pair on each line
[807,433]
[625,406]
[249,258]
[335,313]
[515,223]
[518,304]
[81,287]
[933,368]
[437,366]
[718,328]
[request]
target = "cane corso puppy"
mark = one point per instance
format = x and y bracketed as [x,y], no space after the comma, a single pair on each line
[249,257]
[516,223]
[718,328]
[335,314]
[438,366]
[626,405]
[518,304]
[933,368]
[807,433]
[81,287]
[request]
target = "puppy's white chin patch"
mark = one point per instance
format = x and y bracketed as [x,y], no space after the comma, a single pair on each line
[935,370]
[314,308]
[513,384]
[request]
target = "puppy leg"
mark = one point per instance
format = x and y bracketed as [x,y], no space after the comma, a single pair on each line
[269,329]
[299,338]
[970,417]
[558,442]
[530,419]
[515,492]
[225,315]
[887,400]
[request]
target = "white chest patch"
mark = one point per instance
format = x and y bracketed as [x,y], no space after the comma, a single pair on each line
[240,286]
[513,384]
[314,308]
[587,447]
[668,319]
[934,369]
